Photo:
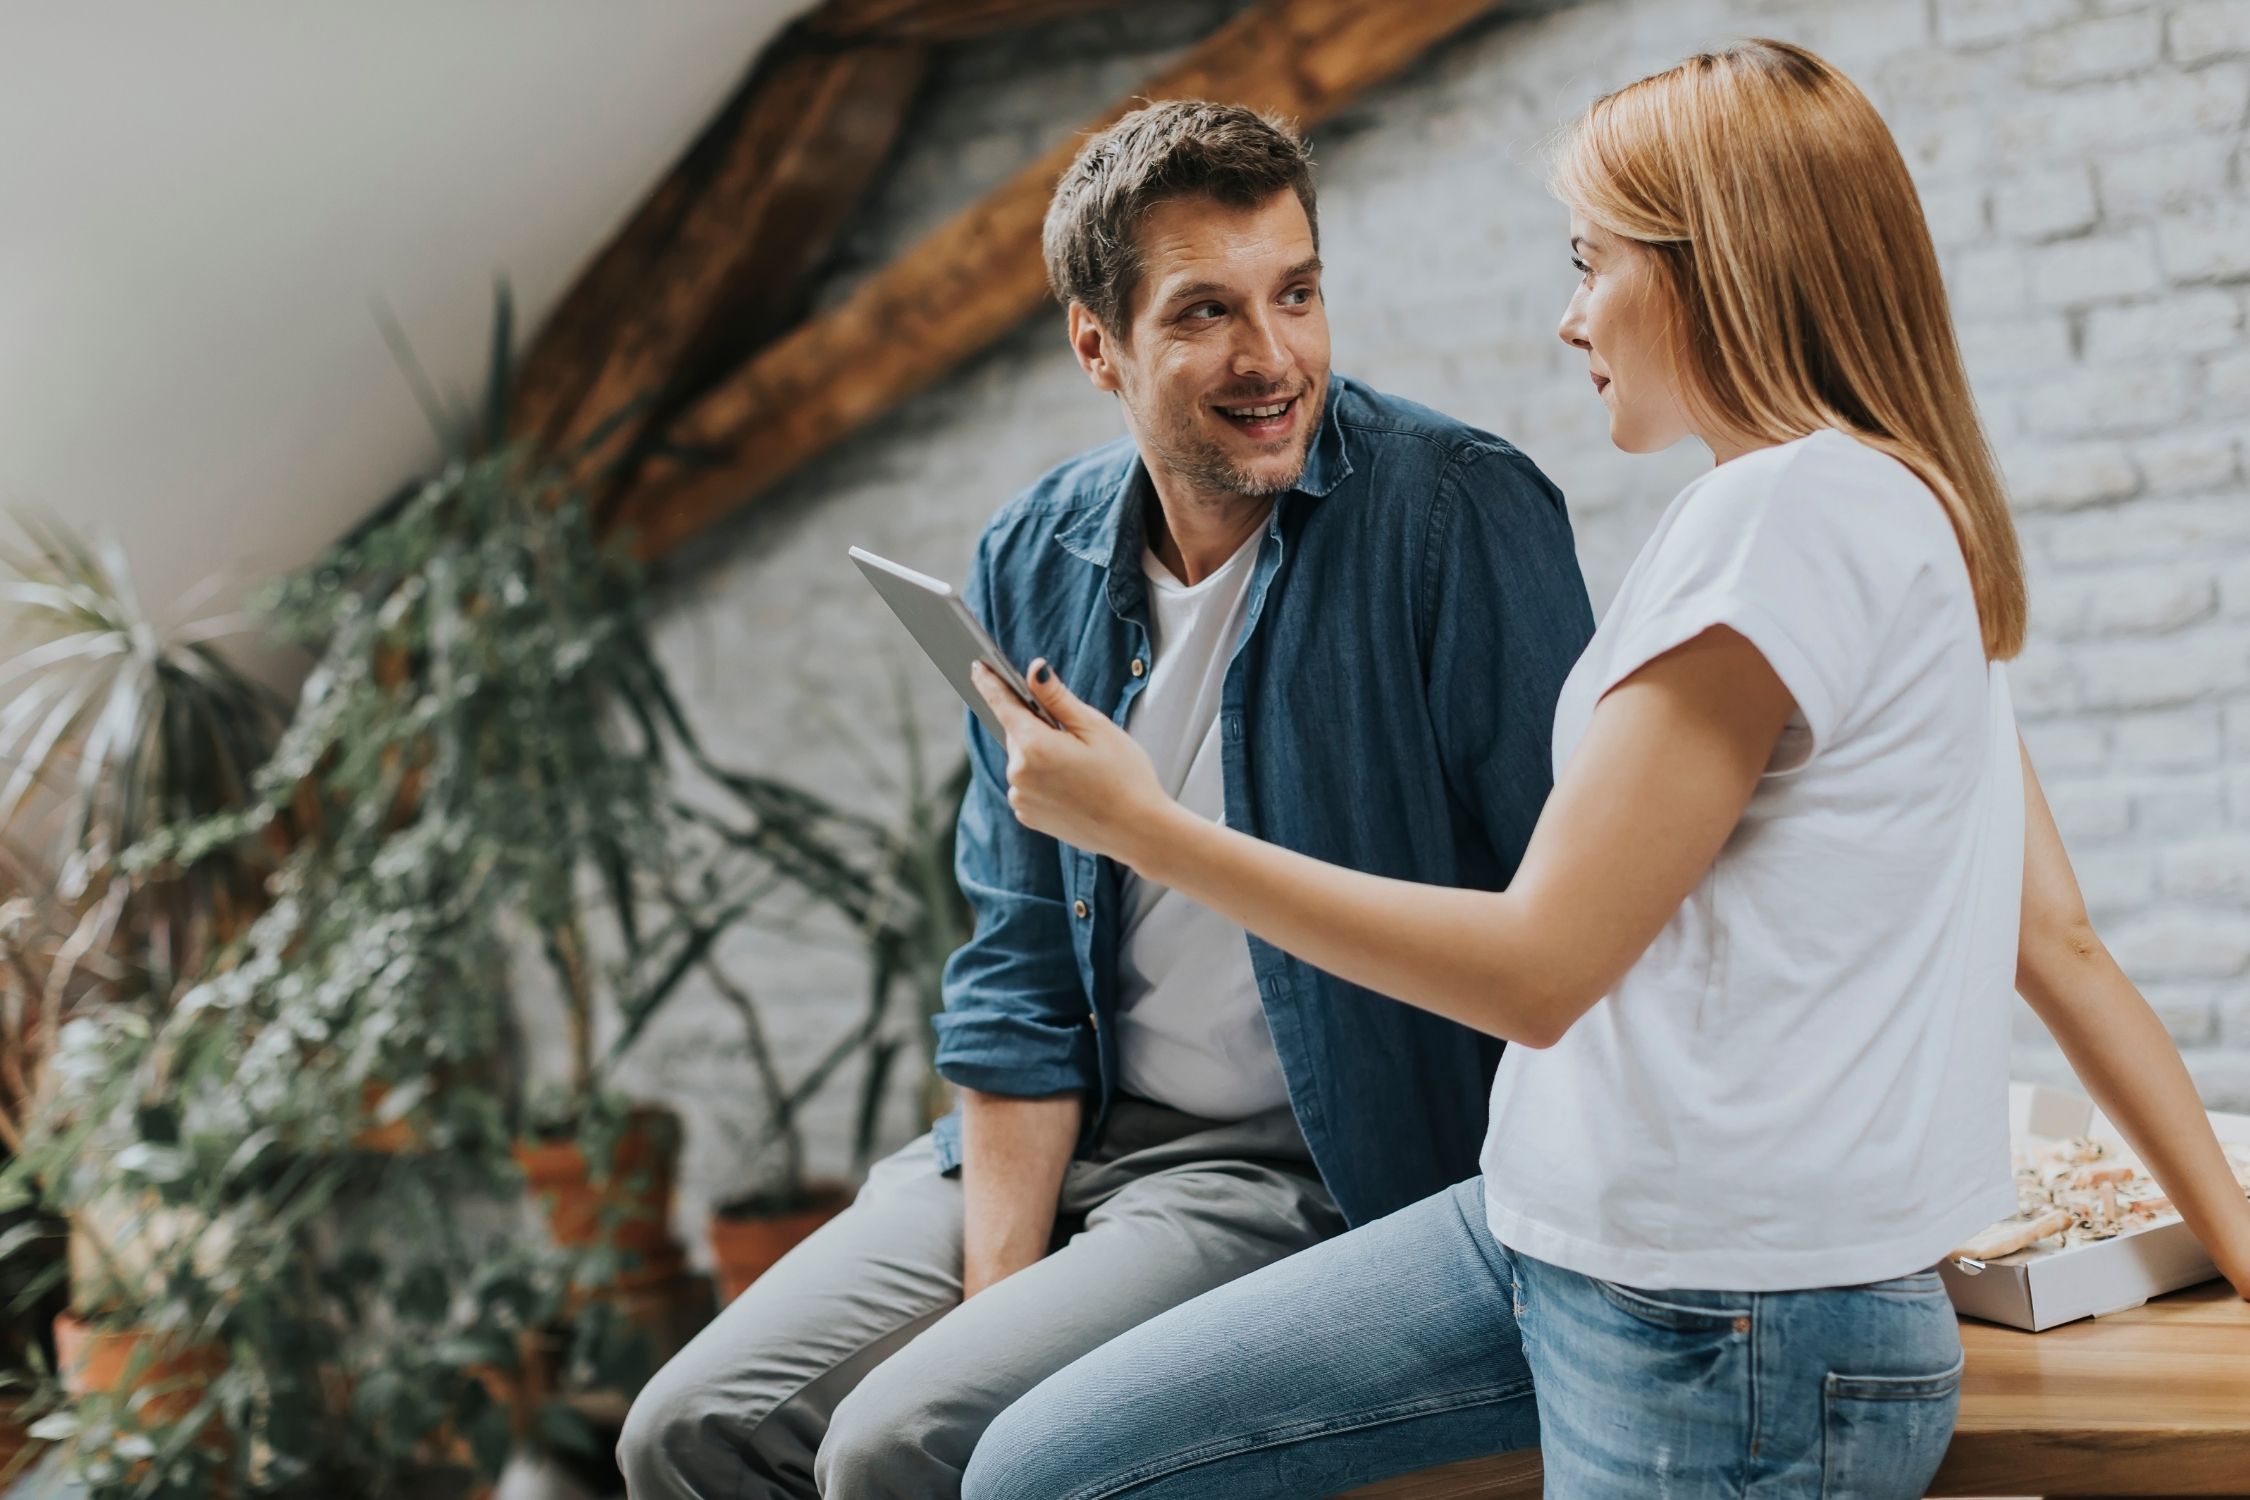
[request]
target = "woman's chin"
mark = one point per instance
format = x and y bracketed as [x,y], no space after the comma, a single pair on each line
[1629,436]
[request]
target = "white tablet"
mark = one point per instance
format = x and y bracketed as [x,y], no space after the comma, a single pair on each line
[942,626]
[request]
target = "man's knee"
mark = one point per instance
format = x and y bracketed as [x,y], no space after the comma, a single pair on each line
[894,1439]
[656,1444]
[662,1449]
[683,1441]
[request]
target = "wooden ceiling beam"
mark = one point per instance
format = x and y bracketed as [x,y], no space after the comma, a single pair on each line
[720,258]
[980,274]
[715,259]
[939,20]
[552,376]
[809,142]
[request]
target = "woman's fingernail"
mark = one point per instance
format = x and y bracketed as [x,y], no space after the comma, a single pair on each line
[1040,673]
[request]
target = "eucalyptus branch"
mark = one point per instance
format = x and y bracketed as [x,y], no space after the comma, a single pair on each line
[781,1105]
[569,944]
[16,1090]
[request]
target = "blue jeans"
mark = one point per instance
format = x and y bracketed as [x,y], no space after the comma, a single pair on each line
[1420,1340]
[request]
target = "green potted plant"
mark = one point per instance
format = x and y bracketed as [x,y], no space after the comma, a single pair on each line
[282,1315]
[480,658]
[116,726]
[32,1258]
[332,1065]
[279,1133]
[624,859]
[225,1330]
[113,727]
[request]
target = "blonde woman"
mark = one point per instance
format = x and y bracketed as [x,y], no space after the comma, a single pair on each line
[1755,965]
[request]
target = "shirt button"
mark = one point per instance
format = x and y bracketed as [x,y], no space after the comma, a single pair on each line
[1082,909]
[1093,1020]
[1140,668]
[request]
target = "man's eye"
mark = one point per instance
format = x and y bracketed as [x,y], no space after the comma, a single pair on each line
[1297,296]
[1204,312]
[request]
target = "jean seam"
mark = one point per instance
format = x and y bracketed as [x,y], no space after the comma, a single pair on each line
[1826,1395]
[1634,1303]
[1756,1339]
[1274,1437]
[1895,1387]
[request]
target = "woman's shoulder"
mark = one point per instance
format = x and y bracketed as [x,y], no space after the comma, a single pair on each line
[1825,484]
[1803,469]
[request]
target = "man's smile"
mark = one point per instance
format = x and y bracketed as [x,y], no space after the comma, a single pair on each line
[1264,420]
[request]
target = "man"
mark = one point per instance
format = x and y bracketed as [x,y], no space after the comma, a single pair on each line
[1339,620]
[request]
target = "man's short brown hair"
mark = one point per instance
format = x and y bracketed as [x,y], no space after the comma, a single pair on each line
[1181,148]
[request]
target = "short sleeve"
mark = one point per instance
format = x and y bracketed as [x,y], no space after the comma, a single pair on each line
[1795,554]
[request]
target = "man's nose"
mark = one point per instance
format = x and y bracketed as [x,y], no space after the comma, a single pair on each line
[1258,348]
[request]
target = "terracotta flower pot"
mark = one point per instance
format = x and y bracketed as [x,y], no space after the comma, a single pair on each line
[166,1385]
[94,1360]
[745,1246]
[631,1208]
[16,1447]
[392,1138]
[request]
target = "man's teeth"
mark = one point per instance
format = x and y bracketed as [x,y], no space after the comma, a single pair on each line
[1256,413]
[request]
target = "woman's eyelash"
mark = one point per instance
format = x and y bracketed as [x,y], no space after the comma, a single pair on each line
[1581,267]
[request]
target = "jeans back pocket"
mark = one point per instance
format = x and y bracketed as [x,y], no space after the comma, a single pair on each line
[1883,1436]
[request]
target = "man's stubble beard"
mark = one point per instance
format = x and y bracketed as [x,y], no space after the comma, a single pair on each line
[1206,468]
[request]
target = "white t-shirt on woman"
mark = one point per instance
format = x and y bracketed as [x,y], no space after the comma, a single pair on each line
[1803,1081]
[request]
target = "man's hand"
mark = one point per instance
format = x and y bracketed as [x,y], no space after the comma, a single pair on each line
[1013,1156]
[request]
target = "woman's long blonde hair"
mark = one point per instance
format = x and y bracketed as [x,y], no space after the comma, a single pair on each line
[1806,287]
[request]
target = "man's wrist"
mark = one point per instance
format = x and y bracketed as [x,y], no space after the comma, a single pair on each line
[995,1264]
[995,1249]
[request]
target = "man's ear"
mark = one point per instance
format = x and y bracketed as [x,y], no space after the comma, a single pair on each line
[1094,347]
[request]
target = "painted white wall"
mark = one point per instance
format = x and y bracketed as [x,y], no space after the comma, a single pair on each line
[200,204]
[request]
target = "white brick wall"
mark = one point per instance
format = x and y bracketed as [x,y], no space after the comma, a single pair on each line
[2085,170]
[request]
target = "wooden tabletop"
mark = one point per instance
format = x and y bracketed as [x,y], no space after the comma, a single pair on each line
[2153,1401]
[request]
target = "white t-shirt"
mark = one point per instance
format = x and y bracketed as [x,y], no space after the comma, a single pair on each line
[1191,1030]
[1803,1081]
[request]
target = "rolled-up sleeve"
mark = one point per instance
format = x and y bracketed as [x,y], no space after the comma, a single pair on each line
[1015,1007]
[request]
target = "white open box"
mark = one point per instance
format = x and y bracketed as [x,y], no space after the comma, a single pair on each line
[2035,1290]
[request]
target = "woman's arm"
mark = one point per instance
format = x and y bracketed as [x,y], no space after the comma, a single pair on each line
[1653,792]
[2118,1047]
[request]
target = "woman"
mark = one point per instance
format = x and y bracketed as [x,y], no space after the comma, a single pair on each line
[1756,958]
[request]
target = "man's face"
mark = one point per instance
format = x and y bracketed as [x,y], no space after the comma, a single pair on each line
[1224,367]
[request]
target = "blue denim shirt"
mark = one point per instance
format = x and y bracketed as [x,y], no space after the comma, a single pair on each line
[1415,607]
